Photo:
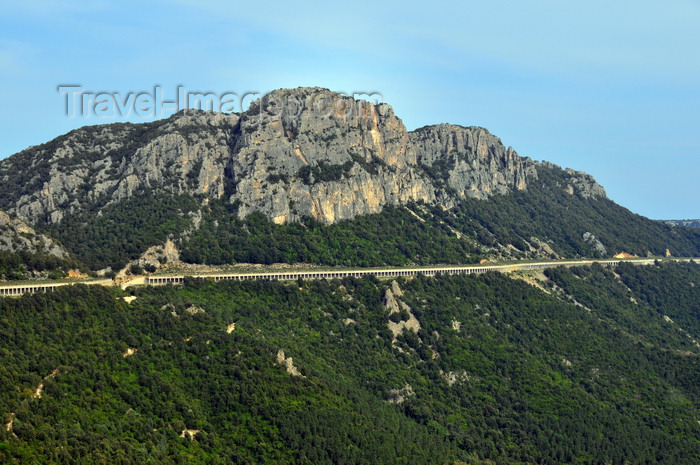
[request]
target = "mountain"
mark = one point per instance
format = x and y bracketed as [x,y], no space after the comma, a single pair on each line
[583,365]
[330,176]
[24,253]
[571,365]
[322,162]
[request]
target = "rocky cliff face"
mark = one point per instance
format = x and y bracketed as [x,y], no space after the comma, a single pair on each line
[18,236]
[477,164]
[293,153]
[99,165]
[312,152]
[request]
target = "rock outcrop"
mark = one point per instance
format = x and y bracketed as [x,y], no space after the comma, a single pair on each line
[152,259]
[475,162]
[394,305]
[293,153]
[99,165]
[288,363]
[16,236]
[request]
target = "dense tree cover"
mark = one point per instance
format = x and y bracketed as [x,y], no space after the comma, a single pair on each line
[393,237]
[606,292]
[546,211]
[24,265]
[457,235]
[498,371]
[110,236]
[188,373]
[672,289]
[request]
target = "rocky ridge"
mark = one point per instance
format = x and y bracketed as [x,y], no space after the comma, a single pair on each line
[17,236]
[293,153]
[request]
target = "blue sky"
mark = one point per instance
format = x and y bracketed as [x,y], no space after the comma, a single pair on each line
[610,88]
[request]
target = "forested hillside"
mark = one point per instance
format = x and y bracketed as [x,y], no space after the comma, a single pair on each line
[544,221]
[593,366]
[25,254]
[26,265]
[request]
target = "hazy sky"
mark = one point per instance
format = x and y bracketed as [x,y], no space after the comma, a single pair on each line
[610,88]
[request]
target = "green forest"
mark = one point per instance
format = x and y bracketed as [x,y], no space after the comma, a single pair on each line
[592,365]
[111,236]
[394,237]
[26,265]
[546,211]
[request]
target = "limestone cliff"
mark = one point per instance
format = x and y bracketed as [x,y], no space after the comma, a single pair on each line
[357,157]
[293,153]
[18,236]
[98,165]
[475,162]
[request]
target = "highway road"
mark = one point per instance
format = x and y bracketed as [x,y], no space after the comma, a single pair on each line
[165,279]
